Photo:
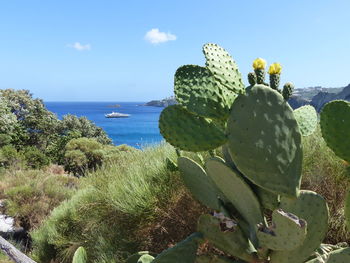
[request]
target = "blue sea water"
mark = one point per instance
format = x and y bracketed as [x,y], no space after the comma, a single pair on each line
[138,130]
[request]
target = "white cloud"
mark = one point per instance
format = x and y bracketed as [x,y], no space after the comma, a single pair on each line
[154,36]
[80,47]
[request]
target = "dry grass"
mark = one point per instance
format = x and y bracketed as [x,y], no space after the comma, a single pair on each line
[326,174]
[30,195]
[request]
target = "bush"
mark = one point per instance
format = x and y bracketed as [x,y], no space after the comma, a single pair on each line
[35,158]
[30,195]
[10,157]
[83,154]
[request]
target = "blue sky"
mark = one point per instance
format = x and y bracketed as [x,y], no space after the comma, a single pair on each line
[98,50]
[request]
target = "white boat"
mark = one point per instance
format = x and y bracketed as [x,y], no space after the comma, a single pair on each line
[116,115]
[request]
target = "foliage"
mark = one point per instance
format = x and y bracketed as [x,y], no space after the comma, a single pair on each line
[25,122]
[35,158]
[84,154]
[85,127]
[10,157]
[30,195]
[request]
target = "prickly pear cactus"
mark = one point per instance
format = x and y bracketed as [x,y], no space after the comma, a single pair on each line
[314,210]
[223,67]
[335,127]
[258,212]
[265,141]
[198,92]
[306,117]
[287,232]
[189,132]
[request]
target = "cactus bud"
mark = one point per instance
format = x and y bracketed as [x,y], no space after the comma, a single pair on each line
[252,78]
[259,65]
[288,89]
[275,81]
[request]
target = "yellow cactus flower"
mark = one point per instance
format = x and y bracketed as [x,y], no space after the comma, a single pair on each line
[275,68]
[259,63]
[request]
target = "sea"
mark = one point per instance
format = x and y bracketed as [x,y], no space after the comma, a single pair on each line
[139,130]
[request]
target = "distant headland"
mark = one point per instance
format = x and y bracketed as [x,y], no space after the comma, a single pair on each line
[162,103]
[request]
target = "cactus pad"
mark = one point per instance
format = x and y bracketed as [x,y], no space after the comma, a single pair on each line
[189,132]
[223,67]
[137,256]
[197,91]
[145,259]
[335,126]
[200,185]
[184,252]
[306,117]
[236,190]
[268,200]
[80,256]
[231,240]
[313,209]
[286,233]
[265,141]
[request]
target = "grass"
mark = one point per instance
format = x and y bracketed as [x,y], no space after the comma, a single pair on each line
[117,210]
[30,195]
[4,258]
[328,175]
[135,203]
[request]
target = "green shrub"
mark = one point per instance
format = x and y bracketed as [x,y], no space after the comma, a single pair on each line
[86,154]
[30,195]
[35,158]
[4,139]
[83,154]
[10,157]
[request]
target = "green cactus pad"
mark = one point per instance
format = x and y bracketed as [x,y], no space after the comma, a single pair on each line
[306,117]
[231,241]
[286,233]
[137,256]
[341,255]
[268,200]
[189,132]
[335,126]
[184,252]
[197,91]
[314,210]
[200,185]
[265,141]
[236,190]
[145,259]
[80,256]
[223,67]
